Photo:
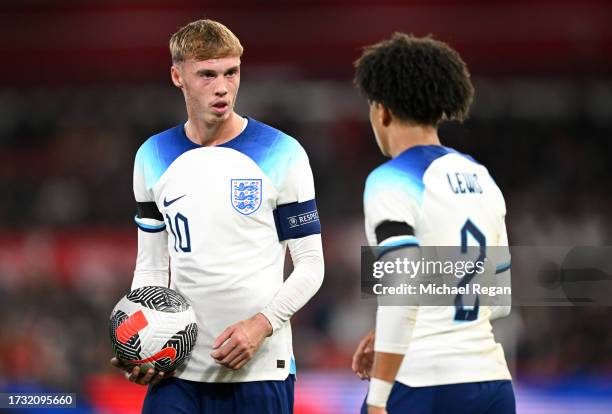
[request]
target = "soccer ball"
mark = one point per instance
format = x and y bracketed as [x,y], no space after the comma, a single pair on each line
[153,327]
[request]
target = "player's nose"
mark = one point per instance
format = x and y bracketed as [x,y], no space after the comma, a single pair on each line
[221,89]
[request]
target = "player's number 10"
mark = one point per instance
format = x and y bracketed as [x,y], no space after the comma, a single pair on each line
[180,231]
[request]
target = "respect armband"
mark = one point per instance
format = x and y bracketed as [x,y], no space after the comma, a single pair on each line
[297,220]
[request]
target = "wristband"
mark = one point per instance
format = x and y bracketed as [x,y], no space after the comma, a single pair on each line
[378,393]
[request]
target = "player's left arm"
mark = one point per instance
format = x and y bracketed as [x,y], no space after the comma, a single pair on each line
[392,212]
[394,327]
[297,223]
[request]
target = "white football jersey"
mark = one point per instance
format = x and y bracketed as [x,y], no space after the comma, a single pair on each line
[431,196]
[221,208]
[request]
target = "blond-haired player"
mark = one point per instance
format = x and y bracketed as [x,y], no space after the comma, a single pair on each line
[220,198]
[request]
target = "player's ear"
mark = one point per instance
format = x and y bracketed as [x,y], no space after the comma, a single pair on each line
[175,75]
[385,116]
[376,112]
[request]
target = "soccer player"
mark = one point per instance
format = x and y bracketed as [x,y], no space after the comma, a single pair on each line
[219,198]
[429,359]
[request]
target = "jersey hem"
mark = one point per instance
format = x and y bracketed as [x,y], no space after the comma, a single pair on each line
[233,378]
[453,380]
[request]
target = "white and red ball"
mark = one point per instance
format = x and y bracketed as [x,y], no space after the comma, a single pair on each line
[153,327]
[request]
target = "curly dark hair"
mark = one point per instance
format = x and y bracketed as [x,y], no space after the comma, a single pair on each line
[420,80]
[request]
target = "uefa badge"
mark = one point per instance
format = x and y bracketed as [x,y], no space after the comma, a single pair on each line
[246,195]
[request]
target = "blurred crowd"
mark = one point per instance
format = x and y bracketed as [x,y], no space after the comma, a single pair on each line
[66,158]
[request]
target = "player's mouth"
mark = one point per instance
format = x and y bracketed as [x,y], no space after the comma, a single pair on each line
[220,107]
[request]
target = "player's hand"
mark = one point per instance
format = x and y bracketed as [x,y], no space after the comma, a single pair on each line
[376,410]
[239,342]
[364,356]
[134,374]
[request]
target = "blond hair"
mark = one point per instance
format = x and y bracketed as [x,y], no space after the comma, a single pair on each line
[202,40]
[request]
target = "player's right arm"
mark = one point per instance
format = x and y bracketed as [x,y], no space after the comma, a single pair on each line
[151,262]
[502,260]
[134,374]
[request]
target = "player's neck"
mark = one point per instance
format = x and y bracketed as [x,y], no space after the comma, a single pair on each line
[403,137]
[210,135]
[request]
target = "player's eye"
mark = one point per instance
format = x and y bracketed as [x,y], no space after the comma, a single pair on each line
[231,72]
[207,75]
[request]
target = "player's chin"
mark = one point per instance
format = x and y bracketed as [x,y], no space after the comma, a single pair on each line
[219,117]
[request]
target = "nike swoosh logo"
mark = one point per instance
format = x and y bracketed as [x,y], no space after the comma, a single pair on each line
[167,352]
[167,203]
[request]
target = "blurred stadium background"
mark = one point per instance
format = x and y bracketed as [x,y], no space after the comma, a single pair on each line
[84,83]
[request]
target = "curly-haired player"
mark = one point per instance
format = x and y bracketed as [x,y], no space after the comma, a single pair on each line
[429,359]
